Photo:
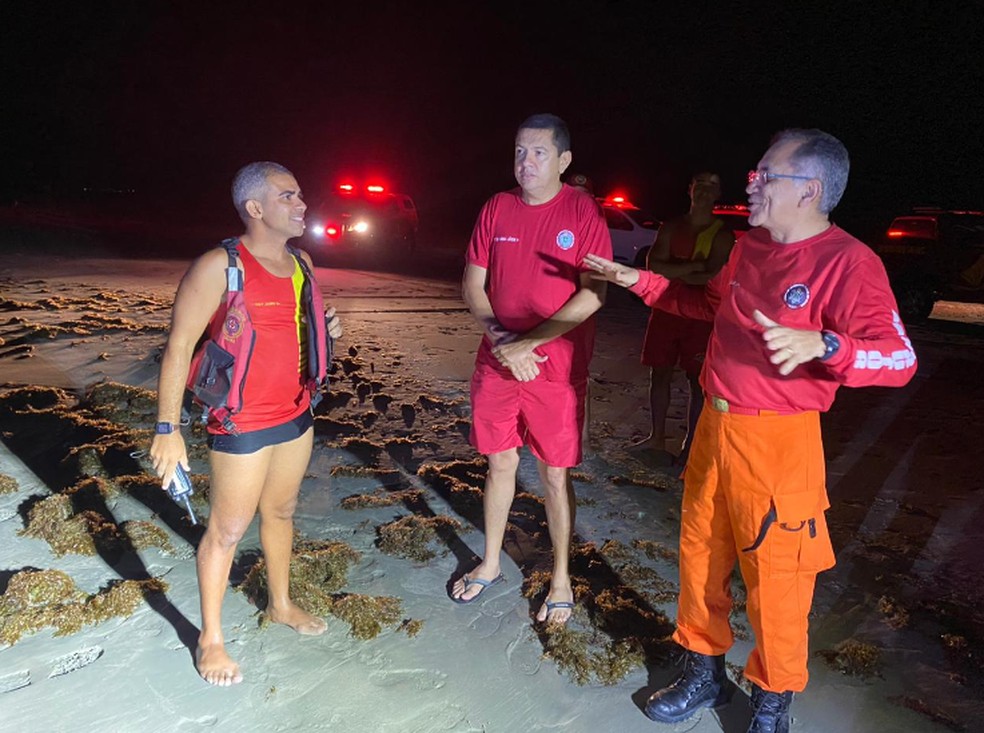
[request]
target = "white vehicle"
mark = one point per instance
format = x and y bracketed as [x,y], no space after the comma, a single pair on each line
[633,231]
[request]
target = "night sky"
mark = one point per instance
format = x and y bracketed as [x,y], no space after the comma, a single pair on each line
[169,99]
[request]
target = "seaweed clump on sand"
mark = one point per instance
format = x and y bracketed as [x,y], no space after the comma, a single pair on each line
[589,657]
[650,584]
[659,482]
[143,535]
[411,626]
[36,599]
[410,536]
[121,403]
[853,657]
[381,498]
[317,570]
[656,550]
[895,615]
[366,614]
[53,521]
[8,484]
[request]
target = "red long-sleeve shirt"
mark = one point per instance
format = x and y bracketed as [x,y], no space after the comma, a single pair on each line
[829,282]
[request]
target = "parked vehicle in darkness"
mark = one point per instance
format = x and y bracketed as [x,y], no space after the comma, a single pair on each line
[934,254]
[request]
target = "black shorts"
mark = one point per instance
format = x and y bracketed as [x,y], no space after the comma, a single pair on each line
[251,442]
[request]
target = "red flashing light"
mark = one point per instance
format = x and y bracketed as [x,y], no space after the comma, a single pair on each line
[332,231]
[619,201]
[374,188]
[347,187]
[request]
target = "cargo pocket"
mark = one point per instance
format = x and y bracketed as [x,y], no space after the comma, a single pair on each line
[213,378]
[793,535]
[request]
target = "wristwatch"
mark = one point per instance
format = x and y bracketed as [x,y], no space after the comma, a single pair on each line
[164,428]
[831,345]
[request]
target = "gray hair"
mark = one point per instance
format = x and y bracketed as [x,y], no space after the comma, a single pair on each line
[250,183]
[822,156]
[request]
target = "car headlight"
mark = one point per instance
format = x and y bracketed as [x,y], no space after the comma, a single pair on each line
[360,227]
[318,230]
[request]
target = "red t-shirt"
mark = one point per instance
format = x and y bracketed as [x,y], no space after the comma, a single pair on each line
[533,256]
[274,392]
[830,282]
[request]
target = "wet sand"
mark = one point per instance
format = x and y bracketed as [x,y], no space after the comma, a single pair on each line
[896,630]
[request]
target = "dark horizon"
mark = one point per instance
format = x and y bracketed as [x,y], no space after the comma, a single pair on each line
[169,99]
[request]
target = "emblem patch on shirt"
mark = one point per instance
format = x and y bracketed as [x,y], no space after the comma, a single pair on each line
[232,327]
[565,239]
[796,296]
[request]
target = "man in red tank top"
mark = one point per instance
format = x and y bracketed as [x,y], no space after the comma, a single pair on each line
[261,466]
[691,248]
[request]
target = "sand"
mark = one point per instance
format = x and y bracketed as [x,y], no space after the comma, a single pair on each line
[903,478]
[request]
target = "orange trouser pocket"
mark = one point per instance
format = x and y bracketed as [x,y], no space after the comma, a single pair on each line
[792,533]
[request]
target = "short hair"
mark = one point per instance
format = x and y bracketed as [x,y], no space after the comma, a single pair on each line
[547,121]
[819,155]
[250,182]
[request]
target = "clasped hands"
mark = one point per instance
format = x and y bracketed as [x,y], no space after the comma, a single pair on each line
[515,354]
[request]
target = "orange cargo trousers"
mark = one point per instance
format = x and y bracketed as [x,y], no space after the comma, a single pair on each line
[754,491]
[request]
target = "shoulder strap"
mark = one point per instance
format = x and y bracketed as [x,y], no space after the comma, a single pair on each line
[234,275]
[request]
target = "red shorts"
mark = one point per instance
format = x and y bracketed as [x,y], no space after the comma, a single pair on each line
[546,416]
[672,340]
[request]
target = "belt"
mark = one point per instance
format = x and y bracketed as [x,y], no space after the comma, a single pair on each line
[722,405]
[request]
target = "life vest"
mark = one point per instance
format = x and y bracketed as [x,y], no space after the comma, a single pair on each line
[219,367]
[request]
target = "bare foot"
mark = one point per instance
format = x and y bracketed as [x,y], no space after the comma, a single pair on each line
[215,666]
[558,607]
[298,619]
[465,591]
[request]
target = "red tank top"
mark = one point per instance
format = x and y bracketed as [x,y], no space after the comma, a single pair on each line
[274,392]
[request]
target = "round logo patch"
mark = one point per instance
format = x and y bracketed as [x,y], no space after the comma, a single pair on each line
[232,327]
[565,240]
[796,296]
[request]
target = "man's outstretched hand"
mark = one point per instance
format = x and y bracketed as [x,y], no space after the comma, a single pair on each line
[613,272]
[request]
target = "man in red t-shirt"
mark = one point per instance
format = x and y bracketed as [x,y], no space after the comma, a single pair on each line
[691,248]
[525,285]
[800,308]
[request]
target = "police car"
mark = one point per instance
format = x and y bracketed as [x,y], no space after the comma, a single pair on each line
[633,231]
[368,218]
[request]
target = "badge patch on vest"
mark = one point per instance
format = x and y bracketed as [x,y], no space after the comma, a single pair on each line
[232,327]
[565,239]
[796,296]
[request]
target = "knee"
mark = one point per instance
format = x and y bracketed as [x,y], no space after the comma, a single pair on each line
[504,463]
[281,511]
[223,535]
[555,483]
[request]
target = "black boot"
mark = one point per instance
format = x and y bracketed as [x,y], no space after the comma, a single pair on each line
[770,711]
[702,684]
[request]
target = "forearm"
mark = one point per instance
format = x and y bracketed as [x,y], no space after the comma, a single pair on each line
[175,363]
[673,297]
[673,270]
[574,312]
[481,310]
